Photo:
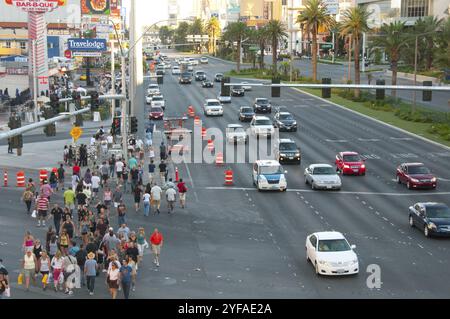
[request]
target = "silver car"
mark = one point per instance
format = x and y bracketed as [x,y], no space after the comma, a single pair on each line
[322,176]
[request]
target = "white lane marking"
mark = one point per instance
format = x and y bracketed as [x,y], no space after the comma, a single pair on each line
[385,219]
[370,207]
[368,139]
[401,138]
[370,156]
[192,182]
[420,246]
[443,179]
[300,106]
[336,141]
[336,193]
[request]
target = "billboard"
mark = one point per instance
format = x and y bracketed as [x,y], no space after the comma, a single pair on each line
[332,6]
[86,45]
[96,7]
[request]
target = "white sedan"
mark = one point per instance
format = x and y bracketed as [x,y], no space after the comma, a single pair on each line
[176,70]
[246,87]
[322,176]
[331,254]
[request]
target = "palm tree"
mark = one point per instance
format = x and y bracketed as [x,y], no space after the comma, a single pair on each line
[431,23]
[443,52]
[354,23]
[314,15]
[261,38]
[235,32]
[392,38]
[213,29]
[276,32]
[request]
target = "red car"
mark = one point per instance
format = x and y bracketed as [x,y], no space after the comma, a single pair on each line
[156,113]
[350,163]
[415,175]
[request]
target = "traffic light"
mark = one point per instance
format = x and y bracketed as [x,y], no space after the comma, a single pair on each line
[54,103]
[50,130]
[379,93]
[326,92]
[116,126]
[95,102]
[133,124]
[426,95]
[225,90]
[276,91]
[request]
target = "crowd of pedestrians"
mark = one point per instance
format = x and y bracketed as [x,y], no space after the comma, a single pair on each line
[89,234]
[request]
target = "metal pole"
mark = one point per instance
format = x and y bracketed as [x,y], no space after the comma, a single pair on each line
[123,128]
[349,75]
[334,50]
[35,93]
[415,72]
[113,81]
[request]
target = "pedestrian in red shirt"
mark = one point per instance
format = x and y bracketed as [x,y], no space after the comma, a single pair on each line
[182,189]
[42,208]
[157,241]
[76,169]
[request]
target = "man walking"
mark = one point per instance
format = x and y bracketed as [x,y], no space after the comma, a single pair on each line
[182,189]
[162,172]
[90,270]
[157,241]
[151,171]
[170,196]
[57,213]
[42,208]
[156,198]
[69,199]
[61,173]
[125,278]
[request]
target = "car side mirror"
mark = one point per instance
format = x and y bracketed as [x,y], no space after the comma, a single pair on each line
[353,246]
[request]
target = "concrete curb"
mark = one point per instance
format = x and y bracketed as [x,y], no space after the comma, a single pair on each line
[225,61]
[378,121]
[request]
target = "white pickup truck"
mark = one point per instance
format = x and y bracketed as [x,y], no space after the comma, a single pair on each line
[236,133]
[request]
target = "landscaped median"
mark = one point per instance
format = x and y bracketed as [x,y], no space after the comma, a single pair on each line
[432,125]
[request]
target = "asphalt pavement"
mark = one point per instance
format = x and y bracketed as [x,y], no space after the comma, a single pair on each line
[235,242]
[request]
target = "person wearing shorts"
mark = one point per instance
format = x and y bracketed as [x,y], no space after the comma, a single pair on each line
[57,265]
[113,279]
[42,204]
[29,265]
[44,262]
[157,241]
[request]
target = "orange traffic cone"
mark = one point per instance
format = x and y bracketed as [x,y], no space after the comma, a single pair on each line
[5,178]
[210,145]
[219,159]
[203,132]
[197,120]
[229,177]
[191,112]
[20,179]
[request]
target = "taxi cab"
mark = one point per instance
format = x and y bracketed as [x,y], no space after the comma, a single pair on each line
[269,175]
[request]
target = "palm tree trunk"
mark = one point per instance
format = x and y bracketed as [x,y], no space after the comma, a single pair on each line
[357,74]
[274,55]
[261,61]
[238,55]
[430,55]
[394,77]
[313,54]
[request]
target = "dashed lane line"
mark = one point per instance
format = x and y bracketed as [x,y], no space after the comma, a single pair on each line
[411,194]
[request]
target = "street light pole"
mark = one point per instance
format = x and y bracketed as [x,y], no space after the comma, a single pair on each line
[415,71]
[35,93]
[113,81]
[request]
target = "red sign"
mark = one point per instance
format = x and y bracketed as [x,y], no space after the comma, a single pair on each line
[68,54]
[34,5]
[43,79]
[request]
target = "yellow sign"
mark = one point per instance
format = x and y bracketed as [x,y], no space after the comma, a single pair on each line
[76,132]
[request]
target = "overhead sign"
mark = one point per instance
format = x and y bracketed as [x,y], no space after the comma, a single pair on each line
[76,132]
[36,5]
[86,54]
[87,45]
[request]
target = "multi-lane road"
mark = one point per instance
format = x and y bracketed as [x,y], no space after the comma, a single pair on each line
[258,239]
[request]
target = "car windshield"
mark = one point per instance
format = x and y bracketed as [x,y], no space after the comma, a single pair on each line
[351,158]
[288,147]
[286,117]
[247,110]
[415,170]
[176,68]
[156,110]
[157,98]
[324,171]
[263,122]
[214,103]
[267,170]
[236,129]
[440,211]
[200,73]
[219,75]
[262,101]
[153,86]
[187,75]
[237,87]
[331,245]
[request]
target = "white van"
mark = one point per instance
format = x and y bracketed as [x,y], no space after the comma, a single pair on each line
[269,175]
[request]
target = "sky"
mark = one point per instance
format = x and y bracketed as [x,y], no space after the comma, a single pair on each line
[151,11]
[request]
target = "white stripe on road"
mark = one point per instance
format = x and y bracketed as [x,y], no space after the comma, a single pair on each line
[335,192]
[401,138]
[336,141]
[443,179]
[368,140]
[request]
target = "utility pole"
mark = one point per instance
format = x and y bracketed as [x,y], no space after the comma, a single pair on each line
[334,50]
[415,71]
[113,81]
[349,75]
[363,67]
[35,93]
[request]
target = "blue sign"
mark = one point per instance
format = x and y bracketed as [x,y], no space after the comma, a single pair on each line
[87,45]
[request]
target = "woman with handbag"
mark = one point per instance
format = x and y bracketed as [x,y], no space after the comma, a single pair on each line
[113,280]
[44,268]
[29,265]
[57,266]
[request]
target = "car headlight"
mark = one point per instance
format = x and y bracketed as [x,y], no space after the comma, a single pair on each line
[414,180]
[283,154]
[433,180]
[363,166]
[354,261]
[432,226]
[346,166]
[322,262]
[295,123]
[297,154]
[262,178]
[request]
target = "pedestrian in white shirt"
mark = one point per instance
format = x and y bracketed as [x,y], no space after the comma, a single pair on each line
[119,169]
[156,198]
[95,180]
[110,140]
[171,194]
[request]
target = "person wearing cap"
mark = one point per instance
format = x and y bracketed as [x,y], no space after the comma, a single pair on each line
[90,270]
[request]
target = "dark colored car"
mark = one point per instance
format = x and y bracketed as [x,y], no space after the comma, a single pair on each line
[432,218]
[237,90]
[246,114]
[350,163]
[262,105]
[185,78]
[285,122]
[415,176]
[200,76]
[218,77]
[288,152]
[156,113]
[207,83]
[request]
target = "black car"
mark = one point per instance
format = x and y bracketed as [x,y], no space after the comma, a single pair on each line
[262,105]
[432,218]
[207,83]
[200,76]
[237,90]
[246,114]
[185,78]
[218,77]
[287,151]
[285,122]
